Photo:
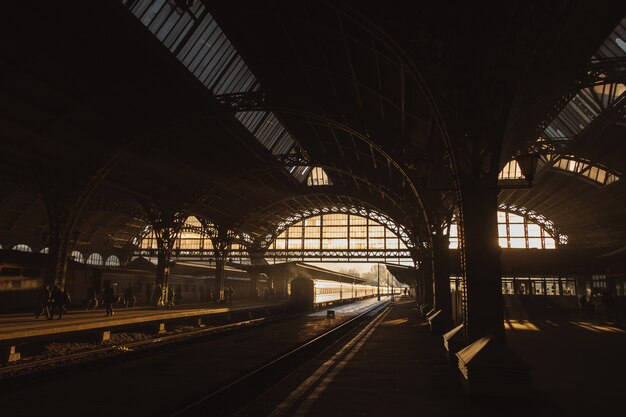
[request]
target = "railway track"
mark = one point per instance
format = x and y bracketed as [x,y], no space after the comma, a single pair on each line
[227,400]
[103,355]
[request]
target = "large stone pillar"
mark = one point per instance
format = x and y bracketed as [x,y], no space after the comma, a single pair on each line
[61,218]
[220,278]
[487,366]
[425,285]
[441,318]
[222,241]
[483,309]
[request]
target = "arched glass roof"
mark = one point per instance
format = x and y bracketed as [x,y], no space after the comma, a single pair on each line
[194,37]
[583,168]
[591,101]
[347,236]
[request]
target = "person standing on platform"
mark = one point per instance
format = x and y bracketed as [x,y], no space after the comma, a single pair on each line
[108,298]
[58,302]
[170,296]
[129,297]
[92,299]
[43,302]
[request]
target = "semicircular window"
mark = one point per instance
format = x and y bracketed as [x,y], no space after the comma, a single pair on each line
[94,259]
[77,256]
[318,177]
[22,247]
[517,232]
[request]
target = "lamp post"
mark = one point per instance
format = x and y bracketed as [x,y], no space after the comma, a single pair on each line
[378,278]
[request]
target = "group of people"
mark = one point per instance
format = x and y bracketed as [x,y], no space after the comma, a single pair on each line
[601,306]
[108,298]
[52,299]
[168,298]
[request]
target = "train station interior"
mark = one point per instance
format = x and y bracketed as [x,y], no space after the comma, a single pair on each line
[276,208]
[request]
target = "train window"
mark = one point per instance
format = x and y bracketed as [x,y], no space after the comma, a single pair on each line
[10,272]
[31,272]
[16,283]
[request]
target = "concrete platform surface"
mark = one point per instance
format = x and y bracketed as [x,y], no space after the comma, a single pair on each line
[20,326]
[398,368]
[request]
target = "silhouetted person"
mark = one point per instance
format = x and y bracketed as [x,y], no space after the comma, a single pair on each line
[58,302]
[157,296]
[44,299]
[92,299]
[129,297]
[108,298]
[228,293]
[178,295]
[170,297]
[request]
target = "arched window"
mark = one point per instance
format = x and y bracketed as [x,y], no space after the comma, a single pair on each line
[94,259]
[189,240]
[318,177]
[45,250]
[22,247]
[515,231]
[511,171]
[112,261]
[78,257]
[337,231]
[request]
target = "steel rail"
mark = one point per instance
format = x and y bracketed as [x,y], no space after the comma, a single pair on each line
[226,401]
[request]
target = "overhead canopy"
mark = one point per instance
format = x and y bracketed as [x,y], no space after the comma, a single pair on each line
[101,104]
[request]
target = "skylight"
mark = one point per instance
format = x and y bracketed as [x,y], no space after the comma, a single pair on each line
[195,38]
[589,170]
[590,102]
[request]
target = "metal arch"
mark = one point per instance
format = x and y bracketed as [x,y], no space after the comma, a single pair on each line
[581,174]
[362,211]
[343,127]
[547,224]
[405,64]
[386,194]
[364,204]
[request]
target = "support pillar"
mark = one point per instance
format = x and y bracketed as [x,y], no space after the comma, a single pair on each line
[220,278]
[441,319]
[426,266]
[484,309]
[59,234]
[166,224]
[487,366]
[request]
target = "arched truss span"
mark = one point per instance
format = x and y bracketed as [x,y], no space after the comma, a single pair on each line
[582,168]
[537,218]
[380,218]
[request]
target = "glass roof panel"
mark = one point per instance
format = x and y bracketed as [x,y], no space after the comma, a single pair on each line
[590,102]
[195,38]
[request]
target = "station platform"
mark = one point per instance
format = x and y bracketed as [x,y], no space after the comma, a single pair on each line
[14,327]
[398,368]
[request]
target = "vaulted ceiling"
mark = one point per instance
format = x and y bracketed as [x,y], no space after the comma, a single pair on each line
[93,103]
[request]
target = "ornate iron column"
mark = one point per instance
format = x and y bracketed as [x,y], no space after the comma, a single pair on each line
[222,241]
[166,225]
